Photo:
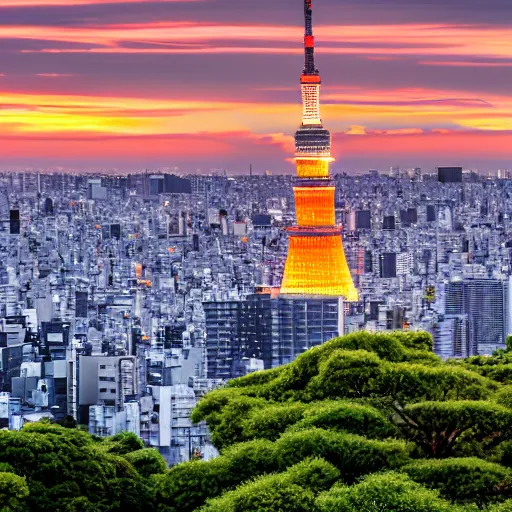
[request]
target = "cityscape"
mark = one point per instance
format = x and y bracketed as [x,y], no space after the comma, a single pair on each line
[127,299]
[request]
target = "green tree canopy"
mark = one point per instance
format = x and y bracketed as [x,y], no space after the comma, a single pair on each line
[13,493]
[437,426]
[61,465]
[383,492]
[293,490]
[470,480]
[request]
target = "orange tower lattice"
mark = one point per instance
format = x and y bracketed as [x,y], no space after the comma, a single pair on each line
[316,263]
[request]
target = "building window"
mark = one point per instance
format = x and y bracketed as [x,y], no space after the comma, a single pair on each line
[103,390]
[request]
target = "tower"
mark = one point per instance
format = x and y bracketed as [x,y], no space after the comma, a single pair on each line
[316,263]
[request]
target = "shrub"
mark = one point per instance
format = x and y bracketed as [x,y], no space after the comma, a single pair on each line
[271,421]
[13,493]
[500,373]
[187,486]
[315,474]
[256,378]
[213,402]
[504,396]
[352,455]
[464,480]
[502,507]
[405,382]
[386,346]
[383,492]
[344,416]
[147,462]
[291,491]
[346,374]
[250,459]
[418,340]
[123,443]
[269,495]
[437,426]
[61,465]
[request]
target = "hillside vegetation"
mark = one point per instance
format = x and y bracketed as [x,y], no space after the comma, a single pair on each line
[363,423]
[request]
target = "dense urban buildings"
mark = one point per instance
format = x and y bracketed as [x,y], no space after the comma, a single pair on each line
[122,310]
[124,299]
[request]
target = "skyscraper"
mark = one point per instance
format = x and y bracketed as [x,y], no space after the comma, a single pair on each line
[484,301]
[316,263]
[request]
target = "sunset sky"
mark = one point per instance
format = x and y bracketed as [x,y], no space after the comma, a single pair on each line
[214,84]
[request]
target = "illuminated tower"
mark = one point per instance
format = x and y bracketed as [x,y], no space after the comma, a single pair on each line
[316,263]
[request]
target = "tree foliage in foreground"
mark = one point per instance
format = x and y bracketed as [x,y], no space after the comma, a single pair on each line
[58,469]
[365,422]
[378,407]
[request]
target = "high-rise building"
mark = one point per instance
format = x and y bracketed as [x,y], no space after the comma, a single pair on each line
[451,337]
[272,329]
[14,222]
[316,263]
[449,174]
[388,265]
[484,301]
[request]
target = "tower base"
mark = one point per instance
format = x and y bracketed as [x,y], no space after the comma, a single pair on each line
[316,265]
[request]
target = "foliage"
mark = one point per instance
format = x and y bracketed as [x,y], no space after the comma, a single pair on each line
[291,491]
[406,382]
[347,374]
[271,421]
[266,495]
[147,462]
[500,373]
[502,507]
[62,465]
[13,493]
[187,486]
[504,396]
[383,492]
[464,479]
[352,455]
[385,346]
[437,426]
[344,416]
[366,423]
[123,443]
[416,340]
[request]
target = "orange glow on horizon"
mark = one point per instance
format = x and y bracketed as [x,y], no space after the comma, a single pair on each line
[396,123]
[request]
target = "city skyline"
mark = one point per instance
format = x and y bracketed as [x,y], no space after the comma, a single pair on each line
[207,84]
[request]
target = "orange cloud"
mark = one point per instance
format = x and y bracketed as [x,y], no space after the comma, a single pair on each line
[205,149]
[397,109]
[354,110]
[447,143]
[465,64]
[54,75]
[186,37]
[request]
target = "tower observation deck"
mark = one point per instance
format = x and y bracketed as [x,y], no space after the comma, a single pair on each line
[316,263]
